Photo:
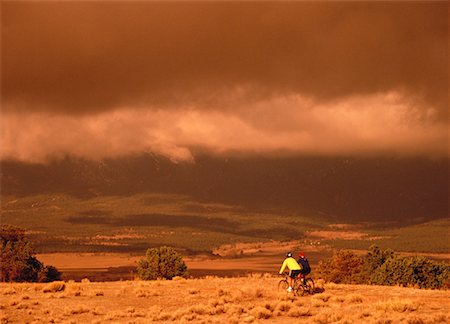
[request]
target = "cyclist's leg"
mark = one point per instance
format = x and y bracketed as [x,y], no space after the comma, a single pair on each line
[290,279]
[297,286]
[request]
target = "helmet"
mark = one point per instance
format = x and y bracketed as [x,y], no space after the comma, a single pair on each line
[289,255]
[301,255]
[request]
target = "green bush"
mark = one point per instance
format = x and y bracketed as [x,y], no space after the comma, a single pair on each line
[163,262]
[383,267]
[375,258]
[17,260]
[412,271]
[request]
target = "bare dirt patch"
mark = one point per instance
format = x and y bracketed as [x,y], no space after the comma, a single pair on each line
[338,235]
[88,260]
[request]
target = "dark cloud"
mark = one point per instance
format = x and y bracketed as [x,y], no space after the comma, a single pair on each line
[83,57]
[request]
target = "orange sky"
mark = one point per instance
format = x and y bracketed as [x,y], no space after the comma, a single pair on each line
[107,79]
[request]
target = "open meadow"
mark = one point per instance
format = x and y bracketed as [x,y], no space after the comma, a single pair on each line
[251,299]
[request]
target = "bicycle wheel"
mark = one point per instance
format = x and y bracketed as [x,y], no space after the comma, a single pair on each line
[298,289]
[283,285]
[309,286]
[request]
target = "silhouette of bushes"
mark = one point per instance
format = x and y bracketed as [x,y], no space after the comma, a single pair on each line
[383,267]
[17,260]
[163,262]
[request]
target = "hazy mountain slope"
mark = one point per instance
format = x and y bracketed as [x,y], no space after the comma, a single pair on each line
[346,188]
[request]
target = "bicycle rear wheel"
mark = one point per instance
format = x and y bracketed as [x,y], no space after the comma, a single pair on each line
[309,286]
[298,288]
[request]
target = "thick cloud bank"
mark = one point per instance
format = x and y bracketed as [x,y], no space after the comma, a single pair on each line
[378,124]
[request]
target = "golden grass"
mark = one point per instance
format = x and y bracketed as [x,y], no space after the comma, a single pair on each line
[354,298]
[252,299]
[397,305]
[299,312]
[55,286]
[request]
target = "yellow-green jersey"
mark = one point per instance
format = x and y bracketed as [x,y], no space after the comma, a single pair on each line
[291,264]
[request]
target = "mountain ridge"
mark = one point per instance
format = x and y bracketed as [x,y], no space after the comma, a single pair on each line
[350,189]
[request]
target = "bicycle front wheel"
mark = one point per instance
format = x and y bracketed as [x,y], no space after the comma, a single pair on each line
[283,285]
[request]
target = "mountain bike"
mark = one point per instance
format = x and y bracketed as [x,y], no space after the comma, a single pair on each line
[301,285]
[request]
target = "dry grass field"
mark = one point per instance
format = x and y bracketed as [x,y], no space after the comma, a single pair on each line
[252,299]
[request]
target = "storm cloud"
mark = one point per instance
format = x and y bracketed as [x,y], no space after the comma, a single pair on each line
[105,79]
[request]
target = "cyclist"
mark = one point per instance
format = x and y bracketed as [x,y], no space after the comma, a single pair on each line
[303,262]
[294,269]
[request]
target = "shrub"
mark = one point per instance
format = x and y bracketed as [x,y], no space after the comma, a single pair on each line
[374,259]
[412,271]
[261,312]
[54,287]
[163,262]
[343,267]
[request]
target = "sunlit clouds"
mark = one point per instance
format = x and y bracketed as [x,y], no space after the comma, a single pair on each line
[385,123]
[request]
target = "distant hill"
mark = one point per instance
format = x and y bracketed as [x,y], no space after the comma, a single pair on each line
[347,189]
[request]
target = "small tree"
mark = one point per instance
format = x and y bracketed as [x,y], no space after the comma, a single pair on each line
[17,260]
[343,267]
[163,262]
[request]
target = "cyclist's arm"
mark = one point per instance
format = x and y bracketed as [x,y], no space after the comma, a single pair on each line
[283,266]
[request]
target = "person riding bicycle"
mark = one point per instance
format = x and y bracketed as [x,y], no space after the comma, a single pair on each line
[303,262]
[294,268]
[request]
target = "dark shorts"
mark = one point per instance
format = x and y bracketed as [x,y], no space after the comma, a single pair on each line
[294,273]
